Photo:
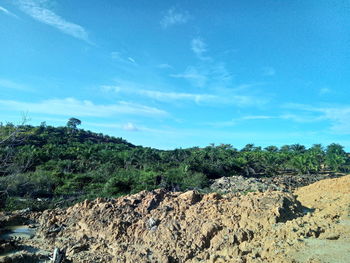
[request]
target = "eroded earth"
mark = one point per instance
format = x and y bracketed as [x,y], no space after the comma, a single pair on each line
[309,224]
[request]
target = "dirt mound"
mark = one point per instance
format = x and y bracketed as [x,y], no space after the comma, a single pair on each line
[331,201]
[324,192]
[323,234]
[162,226]
[291,182]
[285,183]
[236,184]
[159,226]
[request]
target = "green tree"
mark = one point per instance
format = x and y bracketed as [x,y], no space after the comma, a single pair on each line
[335,157]
[73,123]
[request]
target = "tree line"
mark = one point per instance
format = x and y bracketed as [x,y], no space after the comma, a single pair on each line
[54,162]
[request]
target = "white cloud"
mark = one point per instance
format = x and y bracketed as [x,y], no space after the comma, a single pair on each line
[166,96]
[9,84]
[131,60]
[227,96]
[208,72]
[339,116]
[130,127]
[193,75]
[174,17]
[198,46]
[164,66]
[7,12]
[38,11]
[74,107]
[257,117]
[301,118]
[107,88]
[123,58]
[268,71]
[136,89]
[244,100]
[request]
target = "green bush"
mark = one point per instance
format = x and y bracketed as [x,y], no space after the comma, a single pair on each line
[182,179]
[37,184]
[120,183]
[17,203]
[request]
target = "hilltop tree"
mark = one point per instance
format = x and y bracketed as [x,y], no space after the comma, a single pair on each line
[73,123]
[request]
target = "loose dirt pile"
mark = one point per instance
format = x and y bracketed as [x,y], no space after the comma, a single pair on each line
[161,226]
[236,184]
[285,182]
[311,226]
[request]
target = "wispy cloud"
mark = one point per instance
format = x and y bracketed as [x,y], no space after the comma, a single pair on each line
[174,17]
[244,100]
[257,117]
[132,60]
[208,73]
[7,12]
[135,89]
[212,99]
[9,84]
[123,57]
[226,97]
[107,88]
[39,11]
[130,127]
[164,66]
[168,96]
[193,75]
[338,116]
[301,118]
[74,107]
[268,71]
[199,48]
[291,117]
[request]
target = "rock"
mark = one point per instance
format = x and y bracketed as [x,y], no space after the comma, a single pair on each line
[152,224]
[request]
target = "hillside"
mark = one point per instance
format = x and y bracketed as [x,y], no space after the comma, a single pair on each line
[56,164]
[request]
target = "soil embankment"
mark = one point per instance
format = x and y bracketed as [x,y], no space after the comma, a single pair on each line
[310,225]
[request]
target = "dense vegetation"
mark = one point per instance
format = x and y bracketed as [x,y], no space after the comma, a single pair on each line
[60,163]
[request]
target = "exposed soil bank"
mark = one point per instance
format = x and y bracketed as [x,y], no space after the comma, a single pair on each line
[311,225]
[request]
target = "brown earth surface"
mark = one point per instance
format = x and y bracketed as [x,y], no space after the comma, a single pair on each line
[310,225]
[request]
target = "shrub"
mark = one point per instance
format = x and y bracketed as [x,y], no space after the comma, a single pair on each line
[119,183]
[37,184]
[181,179]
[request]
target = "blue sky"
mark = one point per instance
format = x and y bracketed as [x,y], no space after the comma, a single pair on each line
[172,74]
